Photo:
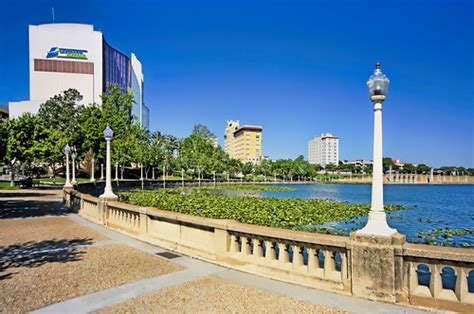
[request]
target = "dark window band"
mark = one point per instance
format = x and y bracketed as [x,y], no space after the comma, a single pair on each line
[61,66]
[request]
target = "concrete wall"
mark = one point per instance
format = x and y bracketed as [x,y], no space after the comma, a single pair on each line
[378,268]
[42,38]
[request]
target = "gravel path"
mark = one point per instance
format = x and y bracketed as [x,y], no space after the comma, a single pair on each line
[214,295]
[36,281]
[20,231]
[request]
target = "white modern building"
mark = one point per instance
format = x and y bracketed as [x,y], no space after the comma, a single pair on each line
[63,56]
[323,150]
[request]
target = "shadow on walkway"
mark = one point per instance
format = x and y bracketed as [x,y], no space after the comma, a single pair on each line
[31,208]
[24,194]
[34,254]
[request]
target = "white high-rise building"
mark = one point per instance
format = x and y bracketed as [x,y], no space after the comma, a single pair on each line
[324,150]
[63,56]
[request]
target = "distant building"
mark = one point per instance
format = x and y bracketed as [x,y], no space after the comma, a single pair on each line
[3,113]
[324,150]
[243,142]
[358,162]
[63,56]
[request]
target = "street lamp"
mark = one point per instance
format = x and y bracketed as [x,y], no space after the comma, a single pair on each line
[67,149]
[182,177]
[377,221]
[92,179]
[164,176]
[108,194]
[73,156]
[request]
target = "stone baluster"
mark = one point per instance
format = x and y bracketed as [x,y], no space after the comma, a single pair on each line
[283,257]
[269,251]
[344,274]
[312,259]
[436,285]
[257,248]
[329,266]
[461,285]
[233,244]
[245,245]
[297,256]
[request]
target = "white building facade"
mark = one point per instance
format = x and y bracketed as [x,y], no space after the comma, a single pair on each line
[323,150]
[63,56]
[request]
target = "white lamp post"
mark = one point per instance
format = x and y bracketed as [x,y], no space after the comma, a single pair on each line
[102,171]
[92,170]
[116,172]
[377,221]
[73,181]
[67,149]
[164,176]
[108,194]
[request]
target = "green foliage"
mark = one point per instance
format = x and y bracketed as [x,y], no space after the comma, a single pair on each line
[442,236]
[203,131]
[273,212]
[3,140]
[253,187]
[61,112]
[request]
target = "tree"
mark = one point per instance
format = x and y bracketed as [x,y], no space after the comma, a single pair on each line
[203,131]
[422,168]
[23,146]
[387,163]
[61,112]
[3,140]
[195,154]
[408,168]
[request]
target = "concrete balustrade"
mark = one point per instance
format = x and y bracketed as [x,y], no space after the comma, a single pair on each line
[380,268]
[439,277]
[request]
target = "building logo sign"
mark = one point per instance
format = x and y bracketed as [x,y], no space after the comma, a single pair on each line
[66,53]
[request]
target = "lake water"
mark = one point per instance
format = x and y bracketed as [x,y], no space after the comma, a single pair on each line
[429,207]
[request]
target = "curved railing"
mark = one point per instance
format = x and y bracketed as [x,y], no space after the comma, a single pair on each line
[414,274]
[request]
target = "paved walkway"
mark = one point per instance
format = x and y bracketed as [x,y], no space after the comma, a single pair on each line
[193,269]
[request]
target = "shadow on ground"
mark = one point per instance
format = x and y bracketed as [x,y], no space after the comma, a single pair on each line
[34,254]
[31,208]
[24,194]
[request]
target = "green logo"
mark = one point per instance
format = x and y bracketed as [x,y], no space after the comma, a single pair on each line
[66,53]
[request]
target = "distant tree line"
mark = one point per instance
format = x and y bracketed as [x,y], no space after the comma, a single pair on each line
[33,144]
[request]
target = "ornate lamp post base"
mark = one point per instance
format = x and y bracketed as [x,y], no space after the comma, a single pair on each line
[377,225]
[110,196]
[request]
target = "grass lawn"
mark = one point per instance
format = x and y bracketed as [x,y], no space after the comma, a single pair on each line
[62,180]
[6,186]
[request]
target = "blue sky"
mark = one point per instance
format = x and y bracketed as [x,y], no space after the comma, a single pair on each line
[298,68]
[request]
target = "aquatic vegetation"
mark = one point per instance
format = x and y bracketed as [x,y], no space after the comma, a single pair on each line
[250,187]
[443,236]
[289,213]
